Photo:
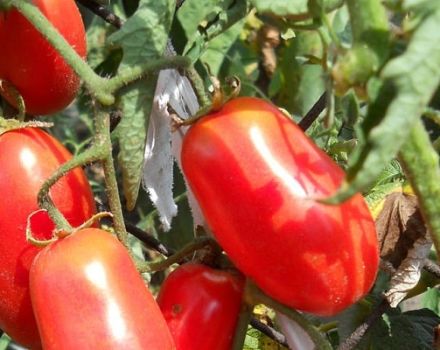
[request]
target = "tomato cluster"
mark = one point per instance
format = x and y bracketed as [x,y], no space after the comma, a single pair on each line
[32,66]
[258,180]
[27,158]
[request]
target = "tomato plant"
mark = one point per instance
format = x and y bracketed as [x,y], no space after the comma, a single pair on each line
[260,202]
[27,61]
[87,293]
[27,158]
[201,306]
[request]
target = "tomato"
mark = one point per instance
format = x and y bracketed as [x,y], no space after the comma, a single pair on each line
[256,177]
[27,158]
[32,65]
[87,294]
[201,306]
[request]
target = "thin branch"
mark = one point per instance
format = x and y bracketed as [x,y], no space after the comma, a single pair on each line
[314,112]
[351,342]
[102,12]
[432,267]
[149,240]
[177,258]
[269,331]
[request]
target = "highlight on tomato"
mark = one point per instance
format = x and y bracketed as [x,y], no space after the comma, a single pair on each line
[201,306]
[87,294]
[27,158]
[257,178]
[28,62]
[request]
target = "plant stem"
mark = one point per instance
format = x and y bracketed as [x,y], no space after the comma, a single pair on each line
[188,249]
[420,163]
[355,337]
[102,12]
[198,86]
[21,108]
[103,142]
[269,331]
[244,318]
[257,296]
[44,200]
[135,73]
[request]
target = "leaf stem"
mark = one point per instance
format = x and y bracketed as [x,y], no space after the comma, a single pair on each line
[129,75]
[188,249]
[244,317]
[44,200]
[103,139]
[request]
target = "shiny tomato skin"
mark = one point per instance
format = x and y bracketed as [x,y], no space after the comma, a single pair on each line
[87,294]
[28,157]
[32,65]
[201,306]
[255,175]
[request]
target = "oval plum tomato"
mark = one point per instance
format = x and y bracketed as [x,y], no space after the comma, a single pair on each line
[256,177]
[32,65]
[201,306]
[87,294]
[27,158]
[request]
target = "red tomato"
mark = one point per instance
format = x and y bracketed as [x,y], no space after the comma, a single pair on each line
[201,306]
[27,158]
[87,294]
[256,175]
[32,65]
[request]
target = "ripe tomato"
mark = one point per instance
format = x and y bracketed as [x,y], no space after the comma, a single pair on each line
[32,65]
[256,175]
[27,158]
[201,306]
[87,294]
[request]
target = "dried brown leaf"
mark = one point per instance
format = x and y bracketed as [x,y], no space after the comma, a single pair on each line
[399,225]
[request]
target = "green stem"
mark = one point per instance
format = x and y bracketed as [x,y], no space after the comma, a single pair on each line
[198,86]
[103,139]
[131,74]
[44,200]
[327,327]
[13,92]
[244,318]
[189,249]
[420,163]
[257,296]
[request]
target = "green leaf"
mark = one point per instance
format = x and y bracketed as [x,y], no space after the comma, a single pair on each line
[431,300]
[252,339]
[408,82]
[143,37]
[131,133]
[97,33]
[195,13]
[297,10]
[218,47]
[301,83]
[409,330]
[4,342]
